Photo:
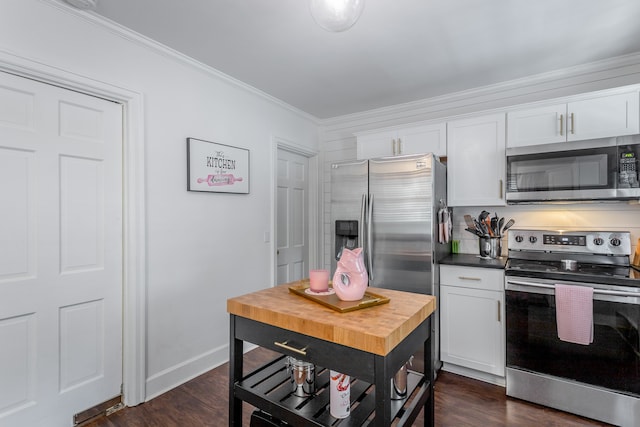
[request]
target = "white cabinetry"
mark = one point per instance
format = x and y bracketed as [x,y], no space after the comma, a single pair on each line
[476,161]
[597,117]
[472,318]
[400,141]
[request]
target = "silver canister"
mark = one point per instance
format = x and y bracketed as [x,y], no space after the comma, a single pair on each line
[399,382]
[490,247]
[302,376]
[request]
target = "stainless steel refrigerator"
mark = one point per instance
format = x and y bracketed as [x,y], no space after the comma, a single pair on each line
[389,206]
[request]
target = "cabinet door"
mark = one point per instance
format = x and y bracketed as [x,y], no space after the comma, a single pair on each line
[603,117]
[424,139]
[381,144]
[476,161]
[535,126]
[472,331]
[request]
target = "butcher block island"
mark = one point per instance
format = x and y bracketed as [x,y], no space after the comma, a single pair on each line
[370,344]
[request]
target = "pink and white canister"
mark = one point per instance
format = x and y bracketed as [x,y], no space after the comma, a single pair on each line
[340,395]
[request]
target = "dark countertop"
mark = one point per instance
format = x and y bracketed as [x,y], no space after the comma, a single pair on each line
[472,260]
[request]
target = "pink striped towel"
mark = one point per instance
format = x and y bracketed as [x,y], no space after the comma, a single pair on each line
[574,313]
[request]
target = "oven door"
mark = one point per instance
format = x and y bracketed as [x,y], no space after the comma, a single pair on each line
[612,361]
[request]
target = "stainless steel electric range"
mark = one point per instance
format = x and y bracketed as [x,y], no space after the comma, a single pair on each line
[600,380]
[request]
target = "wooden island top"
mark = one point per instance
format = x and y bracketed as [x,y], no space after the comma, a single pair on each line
[376,329]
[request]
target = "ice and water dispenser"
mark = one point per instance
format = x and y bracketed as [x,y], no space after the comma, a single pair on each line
[346,236]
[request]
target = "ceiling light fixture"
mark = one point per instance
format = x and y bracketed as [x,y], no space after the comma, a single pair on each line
[336,15]
[83,4]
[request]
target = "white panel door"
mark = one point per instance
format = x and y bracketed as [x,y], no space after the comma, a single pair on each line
[60,252]
[292,231]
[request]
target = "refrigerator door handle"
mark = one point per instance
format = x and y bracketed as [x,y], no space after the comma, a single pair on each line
[369,239]
[361,226]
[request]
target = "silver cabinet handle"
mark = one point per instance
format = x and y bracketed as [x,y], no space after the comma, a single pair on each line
[393,144]
[572,125]
[501,189]
[498,301]
[561,124]
[477,279]
[399,146]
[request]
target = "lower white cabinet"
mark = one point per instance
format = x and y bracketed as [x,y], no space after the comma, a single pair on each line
[472,318]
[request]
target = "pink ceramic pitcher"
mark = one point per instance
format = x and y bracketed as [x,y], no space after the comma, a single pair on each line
[350,280]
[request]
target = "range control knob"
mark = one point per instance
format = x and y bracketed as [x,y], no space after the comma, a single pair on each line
[615,241]
[598,241]
[533,239]
[519,239]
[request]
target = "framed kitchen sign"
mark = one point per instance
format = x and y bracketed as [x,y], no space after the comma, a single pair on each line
[217,168]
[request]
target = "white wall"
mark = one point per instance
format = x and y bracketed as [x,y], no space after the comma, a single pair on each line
[202,248]
[338,143]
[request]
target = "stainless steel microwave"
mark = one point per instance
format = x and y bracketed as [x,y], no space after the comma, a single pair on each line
[602,169]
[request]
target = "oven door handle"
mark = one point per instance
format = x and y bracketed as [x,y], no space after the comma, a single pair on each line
[595,290]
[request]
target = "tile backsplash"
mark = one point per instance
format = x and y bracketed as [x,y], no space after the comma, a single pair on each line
[621,216]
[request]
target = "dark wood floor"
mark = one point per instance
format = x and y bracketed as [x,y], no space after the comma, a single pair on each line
[460,402]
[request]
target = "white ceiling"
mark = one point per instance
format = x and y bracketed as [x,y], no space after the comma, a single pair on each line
[399,51]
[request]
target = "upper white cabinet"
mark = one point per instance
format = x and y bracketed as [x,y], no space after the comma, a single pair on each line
[476,161]
[598,117]
[395,142]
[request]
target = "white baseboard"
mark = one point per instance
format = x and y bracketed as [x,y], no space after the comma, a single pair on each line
[181,373]
[472,373]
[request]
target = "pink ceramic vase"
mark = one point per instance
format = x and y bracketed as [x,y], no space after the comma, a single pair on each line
[350,280]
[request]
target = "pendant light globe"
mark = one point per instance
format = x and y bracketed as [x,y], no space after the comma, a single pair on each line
[336,15]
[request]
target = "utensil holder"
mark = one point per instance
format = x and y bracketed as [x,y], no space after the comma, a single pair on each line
[490,247]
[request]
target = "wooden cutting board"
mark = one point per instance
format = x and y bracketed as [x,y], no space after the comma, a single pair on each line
[375,330]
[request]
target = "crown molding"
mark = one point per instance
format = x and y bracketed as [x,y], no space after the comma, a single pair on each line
[399,113]
[146,42]
[503,91]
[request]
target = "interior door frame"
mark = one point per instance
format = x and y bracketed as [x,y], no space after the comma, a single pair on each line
[278,143]
[134,235]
